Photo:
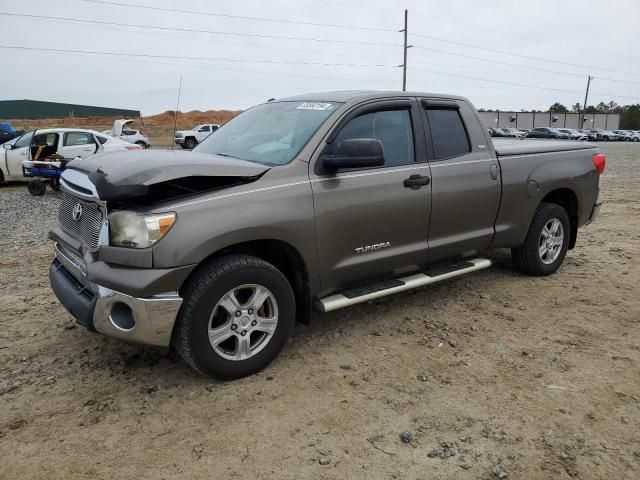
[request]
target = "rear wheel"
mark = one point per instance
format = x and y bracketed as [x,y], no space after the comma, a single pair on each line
[236,317]
[547,241]
[36,188]
[142,144]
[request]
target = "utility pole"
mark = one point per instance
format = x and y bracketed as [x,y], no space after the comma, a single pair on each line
[584,106]
[406,47]
[175,117]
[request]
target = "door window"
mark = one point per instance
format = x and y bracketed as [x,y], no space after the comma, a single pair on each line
[391,127]
[72,139]
[448,134]
[204,129]
[24,140]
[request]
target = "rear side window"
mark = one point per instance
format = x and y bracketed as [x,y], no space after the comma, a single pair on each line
[448,134]
[391,127]
[77,138]
[102,140]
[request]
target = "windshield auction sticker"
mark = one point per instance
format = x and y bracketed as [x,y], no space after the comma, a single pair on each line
[315,106]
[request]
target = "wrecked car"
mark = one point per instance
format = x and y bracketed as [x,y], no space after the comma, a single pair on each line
[309,203]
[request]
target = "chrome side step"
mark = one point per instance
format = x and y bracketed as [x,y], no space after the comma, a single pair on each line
[345,299]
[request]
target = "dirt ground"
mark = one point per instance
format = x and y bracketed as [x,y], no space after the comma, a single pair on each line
[490,374]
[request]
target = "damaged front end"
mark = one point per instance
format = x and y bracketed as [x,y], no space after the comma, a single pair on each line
[115,207]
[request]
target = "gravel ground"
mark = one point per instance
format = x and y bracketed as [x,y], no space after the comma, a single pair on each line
[493,375]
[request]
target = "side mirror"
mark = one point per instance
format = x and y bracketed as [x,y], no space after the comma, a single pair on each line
[7,146]
[355,153]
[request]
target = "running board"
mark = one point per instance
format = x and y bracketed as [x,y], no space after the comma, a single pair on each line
[389,287]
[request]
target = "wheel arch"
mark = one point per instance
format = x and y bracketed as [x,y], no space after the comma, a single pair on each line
[284,257]
[567,199]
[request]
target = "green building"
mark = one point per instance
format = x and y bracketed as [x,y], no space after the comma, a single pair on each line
[35,109]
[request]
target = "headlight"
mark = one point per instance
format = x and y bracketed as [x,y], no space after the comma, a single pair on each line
[178,135]
[129,229]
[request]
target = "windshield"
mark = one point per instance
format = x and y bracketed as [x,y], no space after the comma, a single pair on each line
[271,133]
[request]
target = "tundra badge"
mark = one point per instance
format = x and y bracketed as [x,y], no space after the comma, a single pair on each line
[372,248]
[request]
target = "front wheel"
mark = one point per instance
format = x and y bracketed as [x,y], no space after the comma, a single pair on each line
[236,316]
[546,243]
[190,143]
[36,188]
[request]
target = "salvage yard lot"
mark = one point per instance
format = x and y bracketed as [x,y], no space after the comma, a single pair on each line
[489,373]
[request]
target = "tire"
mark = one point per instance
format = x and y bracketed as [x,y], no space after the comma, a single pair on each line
[202,313]
[528,257]
[36,188]
[635,139]
[142,144]
[605,138]
[190,143]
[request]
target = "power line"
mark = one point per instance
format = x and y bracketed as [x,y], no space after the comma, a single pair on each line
[502,52]
[557,72]
[465,25]
[212,32]
[182,57]
[240,17]
[522,84]
[218,41]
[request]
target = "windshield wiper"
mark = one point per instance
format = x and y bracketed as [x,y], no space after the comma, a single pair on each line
[227,155]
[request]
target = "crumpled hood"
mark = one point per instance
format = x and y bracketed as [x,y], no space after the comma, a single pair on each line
[147,167]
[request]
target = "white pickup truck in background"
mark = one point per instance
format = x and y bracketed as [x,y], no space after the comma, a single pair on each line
[190,138]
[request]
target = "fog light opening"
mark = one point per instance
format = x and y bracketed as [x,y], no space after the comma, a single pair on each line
[121,317]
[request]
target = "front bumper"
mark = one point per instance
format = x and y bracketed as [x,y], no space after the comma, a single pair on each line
[179,141]
[147,320]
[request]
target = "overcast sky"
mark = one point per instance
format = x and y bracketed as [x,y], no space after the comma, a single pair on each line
[569,39]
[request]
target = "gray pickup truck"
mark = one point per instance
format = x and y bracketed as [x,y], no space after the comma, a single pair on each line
[315,202]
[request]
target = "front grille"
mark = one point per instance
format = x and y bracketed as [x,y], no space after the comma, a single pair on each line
[87,227]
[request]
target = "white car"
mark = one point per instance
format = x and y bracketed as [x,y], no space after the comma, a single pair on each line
[191,138]
[67,142]
[130,135]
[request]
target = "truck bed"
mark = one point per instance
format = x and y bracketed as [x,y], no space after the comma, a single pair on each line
[513,146]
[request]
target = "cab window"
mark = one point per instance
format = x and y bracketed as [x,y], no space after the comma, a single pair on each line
[448,135]
[392,127]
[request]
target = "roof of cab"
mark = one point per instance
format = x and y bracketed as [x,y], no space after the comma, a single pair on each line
[360,95]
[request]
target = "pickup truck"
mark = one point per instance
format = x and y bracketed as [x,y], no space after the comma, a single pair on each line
[190,138]
[308,203]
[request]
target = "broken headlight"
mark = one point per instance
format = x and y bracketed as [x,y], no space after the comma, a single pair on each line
[130,229]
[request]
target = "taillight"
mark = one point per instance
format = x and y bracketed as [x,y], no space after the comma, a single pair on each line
[599,161]
[138,147]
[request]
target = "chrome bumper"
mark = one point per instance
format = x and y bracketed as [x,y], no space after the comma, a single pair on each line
[147,320]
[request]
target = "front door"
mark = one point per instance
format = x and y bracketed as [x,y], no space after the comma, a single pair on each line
[465,180]
[368,222]
[17,154]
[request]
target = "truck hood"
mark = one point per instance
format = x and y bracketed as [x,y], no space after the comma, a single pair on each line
[120,175]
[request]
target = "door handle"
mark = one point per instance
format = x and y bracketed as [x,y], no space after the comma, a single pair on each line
[414,182]
[494,171]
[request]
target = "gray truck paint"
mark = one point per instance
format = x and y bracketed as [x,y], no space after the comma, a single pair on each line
[480,200]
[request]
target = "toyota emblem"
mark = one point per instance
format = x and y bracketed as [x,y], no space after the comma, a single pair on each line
[76,213]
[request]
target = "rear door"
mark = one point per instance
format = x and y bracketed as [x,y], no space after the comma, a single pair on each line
[368,223]
[465,181]
[78,144]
